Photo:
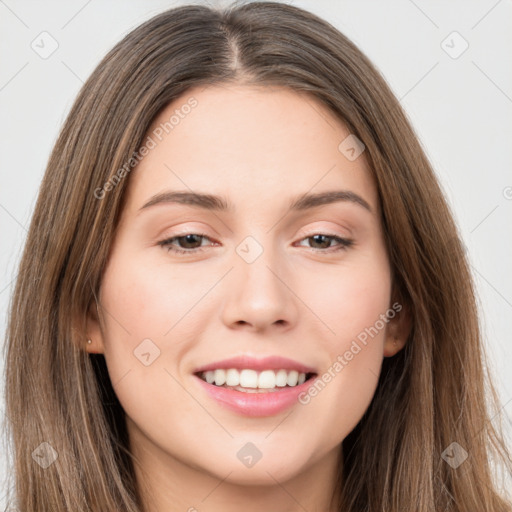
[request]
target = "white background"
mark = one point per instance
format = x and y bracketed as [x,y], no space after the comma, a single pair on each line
[460,107]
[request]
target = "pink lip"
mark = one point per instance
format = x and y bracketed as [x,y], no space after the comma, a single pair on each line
[255,404]
[266,363]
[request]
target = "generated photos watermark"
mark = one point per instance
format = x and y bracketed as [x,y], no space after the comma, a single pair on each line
[151,142]
[344,359]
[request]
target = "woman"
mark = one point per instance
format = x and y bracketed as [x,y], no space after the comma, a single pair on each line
[317,350]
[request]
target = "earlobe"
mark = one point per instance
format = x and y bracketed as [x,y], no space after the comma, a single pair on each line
[393,346]
[397,332]
[94,340]
[91,347]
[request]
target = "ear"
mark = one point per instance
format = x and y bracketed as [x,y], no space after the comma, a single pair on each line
[397,329]
[94,331]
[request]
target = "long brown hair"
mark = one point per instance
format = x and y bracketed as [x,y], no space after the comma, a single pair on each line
[432,393]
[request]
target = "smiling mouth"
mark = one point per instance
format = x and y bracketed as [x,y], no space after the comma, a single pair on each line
[252,381]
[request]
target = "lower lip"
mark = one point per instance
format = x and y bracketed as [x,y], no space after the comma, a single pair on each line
[255,404]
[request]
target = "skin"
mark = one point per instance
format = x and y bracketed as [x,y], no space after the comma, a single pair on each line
[245,143]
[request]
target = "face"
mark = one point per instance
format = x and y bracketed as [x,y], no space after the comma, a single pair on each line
[275,287]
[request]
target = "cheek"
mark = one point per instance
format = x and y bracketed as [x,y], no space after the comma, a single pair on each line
[357,310]
[147,332]
[350,299]
[144,298]
[345,388]
[152,315]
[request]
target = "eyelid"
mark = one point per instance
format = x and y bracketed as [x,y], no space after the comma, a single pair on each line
[337,231]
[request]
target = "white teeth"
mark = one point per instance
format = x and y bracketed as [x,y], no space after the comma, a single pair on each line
[247,378]
[232,377]
[267,379]
[281,378]
[220,377]
[293,377]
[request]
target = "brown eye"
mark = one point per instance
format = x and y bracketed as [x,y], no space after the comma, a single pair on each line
[321,242]
[187,243]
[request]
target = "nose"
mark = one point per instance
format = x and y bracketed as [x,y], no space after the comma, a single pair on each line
[260,294]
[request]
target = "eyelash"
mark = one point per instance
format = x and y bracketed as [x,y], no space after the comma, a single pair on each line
[345,243]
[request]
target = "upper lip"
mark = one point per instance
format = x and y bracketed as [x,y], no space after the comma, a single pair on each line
[266,363]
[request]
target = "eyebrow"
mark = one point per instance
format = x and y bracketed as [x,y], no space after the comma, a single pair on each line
[217,203]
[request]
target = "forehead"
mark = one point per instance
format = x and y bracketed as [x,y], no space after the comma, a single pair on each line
[248,143]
